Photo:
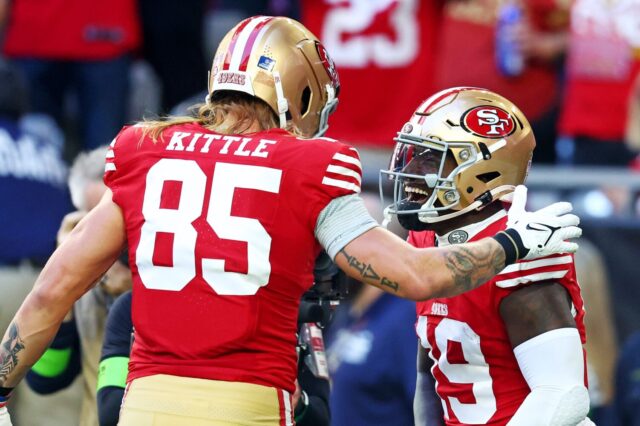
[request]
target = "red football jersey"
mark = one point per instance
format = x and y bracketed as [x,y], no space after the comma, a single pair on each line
[477,375]
[385,53]
[222,247]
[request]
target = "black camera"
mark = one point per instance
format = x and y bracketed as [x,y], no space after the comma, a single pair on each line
[330,285]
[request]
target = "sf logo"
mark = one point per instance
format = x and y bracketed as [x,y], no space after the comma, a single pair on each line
[488,122]
[489,117]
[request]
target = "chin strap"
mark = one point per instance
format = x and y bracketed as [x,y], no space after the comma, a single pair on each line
[499,192]
[283,105]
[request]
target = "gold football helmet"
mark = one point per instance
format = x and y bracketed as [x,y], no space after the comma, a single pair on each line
[462,149]
[278,60]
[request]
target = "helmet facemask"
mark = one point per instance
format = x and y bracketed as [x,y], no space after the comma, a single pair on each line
[423,171]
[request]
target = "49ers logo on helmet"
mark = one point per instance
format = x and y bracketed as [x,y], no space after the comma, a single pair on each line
[488,122]
[328,63]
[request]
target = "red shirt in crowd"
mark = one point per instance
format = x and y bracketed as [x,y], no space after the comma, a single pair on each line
[385,54]
[72,29]
[467,53]
[603,63]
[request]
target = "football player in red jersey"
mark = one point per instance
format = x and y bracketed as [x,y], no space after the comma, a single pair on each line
[224,215]
[510,351]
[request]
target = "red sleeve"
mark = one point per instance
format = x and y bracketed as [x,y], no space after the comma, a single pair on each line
[555,268]
[120,152]
[343,174]
[558,268]
[334,172]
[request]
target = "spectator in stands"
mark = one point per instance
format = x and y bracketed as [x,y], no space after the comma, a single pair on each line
[379,47]
[173,45]
[76,44]
[627,402]
[602,345]
[632,134]
[81,335]
[468,43]
[602,64]
[35,198]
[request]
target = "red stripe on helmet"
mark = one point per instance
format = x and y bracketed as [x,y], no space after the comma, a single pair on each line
[250,42]
[234,39]
[442,96]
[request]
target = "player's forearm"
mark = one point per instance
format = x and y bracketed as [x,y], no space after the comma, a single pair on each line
[34,326]
[27,337]
[382,259]
[458,268]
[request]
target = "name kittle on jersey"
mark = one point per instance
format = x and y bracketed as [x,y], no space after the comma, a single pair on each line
[233,145]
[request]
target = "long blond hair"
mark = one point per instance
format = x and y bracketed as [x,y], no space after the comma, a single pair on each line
[227,113]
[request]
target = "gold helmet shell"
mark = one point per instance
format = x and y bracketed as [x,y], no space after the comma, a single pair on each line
[487,136]
[279,61]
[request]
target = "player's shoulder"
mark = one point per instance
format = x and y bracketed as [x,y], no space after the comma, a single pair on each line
[322,147]
[556,267]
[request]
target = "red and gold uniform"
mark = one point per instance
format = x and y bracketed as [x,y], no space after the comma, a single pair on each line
[221,236]
[477,375]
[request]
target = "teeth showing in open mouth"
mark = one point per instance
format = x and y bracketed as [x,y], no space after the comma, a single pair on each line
[414,190]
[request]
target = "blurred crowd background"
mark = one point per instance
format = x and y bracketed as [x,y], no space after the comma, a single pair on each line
[73,72]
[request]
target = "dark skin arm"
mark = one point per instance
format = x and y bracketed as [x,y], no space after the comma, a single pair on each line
[536,309]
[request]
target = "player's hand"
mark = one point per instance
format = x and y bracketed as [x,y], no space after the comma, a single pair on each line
[542,232]
[296,395]
[5,420]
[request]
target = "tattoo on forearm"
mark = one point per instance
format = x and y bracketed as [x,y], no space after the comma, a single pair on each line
[368,274]
[471,268]
[9,353]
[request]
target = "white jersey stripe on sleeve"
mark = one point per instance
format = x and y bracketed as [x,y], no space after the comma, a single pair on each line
[541,276]
[341,184]
[344,171]
[347,159]
[539,263]
[109,167]
[286,399]
[110,154]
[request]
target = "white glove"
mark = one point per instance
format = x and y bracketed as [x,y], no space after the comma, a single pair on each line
[5,420]
[542,232]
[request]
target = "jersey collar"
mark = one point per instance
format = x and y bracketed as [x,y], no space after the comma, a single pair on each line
[468,232]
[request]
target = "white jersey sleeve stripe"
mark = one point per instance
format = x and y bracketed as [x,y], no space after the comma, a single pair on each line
[541,276]
[109,167]
[539,263]
[110,154]
[347,159]
[341,184]
[344,171]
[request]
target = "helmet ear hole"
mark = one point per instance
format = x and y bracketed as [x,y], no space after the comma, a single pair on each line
[488,177]
[305,101]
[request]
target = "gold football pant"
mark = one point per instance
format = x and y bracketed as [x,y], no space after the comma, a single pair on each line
[163,400]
